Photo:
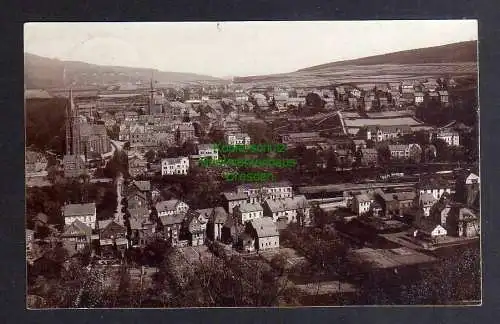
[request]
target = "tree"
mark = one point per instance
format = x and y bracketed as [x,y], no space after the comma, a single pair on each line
[384,154]
[187,148]
[314,100]
[45,120]
[114,132]
[216,135]
[358,156]
[442,150]
[150,156]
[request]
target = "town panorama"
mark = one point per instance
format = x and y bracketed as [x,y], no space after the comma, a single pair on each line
[377,202]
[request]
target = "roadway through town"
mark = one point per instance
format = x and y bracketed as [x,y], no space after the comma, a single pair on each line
[119,180]
[119,190]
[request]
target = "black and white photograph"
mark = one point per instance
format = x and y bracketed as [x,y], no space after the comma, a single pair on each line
[252,164]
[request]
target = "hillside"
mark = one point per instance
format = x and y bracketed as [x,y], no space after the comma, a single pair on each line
[44,73]
[457,60]
[450,53]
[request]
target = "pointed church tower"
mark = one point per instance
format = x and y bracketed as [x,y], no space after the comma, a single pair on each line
[69,123]
[151,96]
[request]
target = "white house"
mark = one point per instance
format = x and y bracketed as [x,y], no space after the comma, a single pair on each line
[472,179]
[430,230]
[85,213]
[451,138]
[208,151]
[361,204]
[260,192]
[248,211]
[171,207]
[178,165]
[266,232]
[356,92]
[419,98]
[426,201]
[435,187]
[237,139]
[289,209]
[233,199]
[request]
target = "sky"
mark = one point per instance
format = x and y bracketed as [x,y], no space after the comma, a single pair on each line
[227,49]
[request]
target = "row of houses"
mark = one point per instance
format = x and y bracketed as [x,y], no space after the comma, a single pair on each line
[150,135]
[431,208]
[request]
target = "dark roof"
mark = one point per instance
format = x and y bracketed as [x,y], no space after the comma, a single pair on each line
[172,219]
[404,195]
[139,212]
[77,228]
[42,217]
[433,183]
[276,205]
[426,198]
[250,207]
[136,224]
[426,226]
[363,198]
[193,220]
[230,196]
[167,205]
[139,194]
[216,215]
[143,185]
[79,209]
[265,227]
[103,225]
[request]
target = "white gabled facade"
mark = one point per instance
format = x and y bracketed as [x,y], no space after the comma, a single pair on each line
[172,166]
[85,213]
[450,137]
[237,139]
[208,151]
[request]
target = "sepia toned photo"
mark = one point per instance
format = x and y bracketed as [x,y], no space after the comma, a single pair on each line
[252,164]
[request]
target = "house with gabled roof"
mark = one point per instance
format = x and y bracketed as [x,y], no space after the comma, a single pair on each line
[171,207]
[361,203]
[194,229]
[443,96]
[397,203]
[460,221]
[85,213]
[41,220]
[246,242]
[74,165]
[137,199]
[419,98]
[172,225]
[112,236]
[208,151]
[425,202]
[233,199]
[265,232]
[247,211]
[436,186]
[142,186]
[231,230]
[178,165]
[292,209]
[428,230]
[216,216]
[77,234]
[141,229]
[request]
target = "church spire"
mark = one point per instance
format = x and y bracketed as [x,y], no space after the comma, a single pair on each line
[151,94]
[69,123]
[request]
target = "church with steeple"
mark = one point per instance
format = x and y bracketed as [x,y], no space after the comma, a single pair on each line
[86,141]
